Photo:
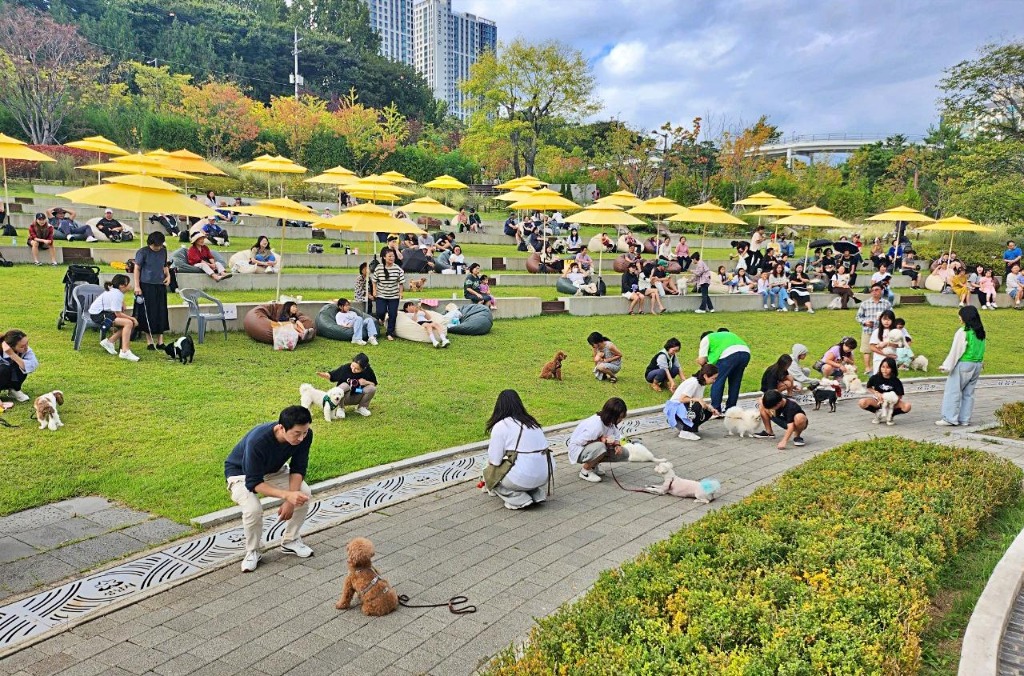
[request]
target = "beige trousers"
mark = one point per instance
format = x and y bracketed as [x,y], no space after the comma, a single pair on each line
[252,510]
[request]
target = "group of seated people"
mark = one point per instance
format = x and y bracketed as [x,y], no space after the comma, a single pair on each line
[532,230]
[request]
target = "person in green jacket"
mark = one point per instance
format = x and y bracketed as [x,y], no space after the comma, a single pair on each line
[963,364]
[731,355]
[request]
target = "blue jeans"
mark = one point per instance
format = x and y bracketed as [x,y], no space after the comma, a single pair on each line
[730,368]
[780,296]
[388,306]
[659,376]
[958,397]
[360,325]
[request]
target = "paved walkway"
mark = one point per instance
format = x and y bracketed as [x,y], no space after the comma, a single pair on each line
[514,566]
[1011,650]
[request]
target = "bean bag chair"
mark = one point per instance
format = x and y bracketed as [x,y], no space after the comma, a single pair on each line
[533,263]
[621,246]
[406,327]
[620,264]
[257,323]
[326,327]
[594,246]
[650,247]
[717,287]
[674,268]
[476,321]
[563,285]
[934,283]
[179,261]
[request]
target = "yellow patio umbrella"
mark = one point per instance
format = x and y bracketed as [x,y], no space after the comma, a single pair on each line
[99,145]
[397,177]
[338,176]
[622,198]
[521,182]
[657,206]
[374,195]
[953,225]
[445,182]
[284,209]
[429,206]
[190,163]
[270,164]
[545,200]
[813,217]
[780,208]
[515,194]
[758,199]
[706,213]
[138,164]
[371,219]
[375,183]
[603,214]
[901,213]
[139,194]
[13,149]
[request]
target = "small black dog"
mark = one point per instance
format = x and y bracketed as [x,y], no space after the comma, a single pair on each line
[823,394]
[183,349]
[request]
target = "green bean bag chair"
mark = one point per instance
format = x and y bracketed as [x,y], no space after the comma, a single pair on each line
[563,285]
[327,327]
[476,321]
[179,261]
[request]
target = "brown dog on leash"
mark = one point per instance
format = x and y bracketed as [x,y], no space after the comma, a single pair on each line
[376,595]
[553,369]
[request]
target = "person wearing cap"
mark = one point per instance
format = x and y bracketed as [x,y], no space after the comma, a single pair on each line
[110,226]
[199,255]
[63,222]
[40,236]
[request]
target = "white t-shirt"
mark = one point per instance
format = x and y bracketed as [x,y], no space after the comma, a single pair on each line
[690,387]
[531,469]
[108,301]
[876,359]
[587,431]
[345,318]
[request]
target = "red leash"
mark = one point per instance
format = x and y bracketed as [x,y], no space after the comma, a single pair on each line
[631,490]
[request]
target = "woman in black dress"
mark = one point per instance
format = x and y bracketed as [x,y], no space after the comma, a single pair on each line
[152,276]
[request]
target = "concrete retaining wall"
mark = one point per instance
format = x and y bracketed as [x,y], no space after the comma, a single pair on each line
[586,306]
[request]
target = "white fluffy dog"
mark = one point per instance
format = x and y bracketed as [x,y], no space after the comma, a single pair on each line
[742,421]
[46,410]
[329,401]
[886,408]
[640,453]
[702,491]
[919,363]
[852,383]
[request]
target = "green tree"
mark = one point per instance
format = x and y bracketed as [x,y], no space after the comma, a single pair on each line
[985,181]
[533,88]
[348,19]
[988,92]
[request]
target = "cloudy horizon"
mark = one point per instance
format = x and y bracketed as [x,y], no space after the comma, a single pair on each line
[866,67]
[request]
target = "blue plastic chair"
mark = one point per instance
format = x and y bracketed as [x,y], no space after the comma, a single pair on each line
[84,295]
[192,299]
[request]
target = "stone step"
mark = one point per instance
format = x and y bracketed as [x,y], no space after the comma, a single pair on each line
[914,300]
[553,307]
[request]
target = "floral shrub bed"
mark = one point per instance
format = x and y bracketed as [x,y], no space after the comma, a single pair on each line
[828,570]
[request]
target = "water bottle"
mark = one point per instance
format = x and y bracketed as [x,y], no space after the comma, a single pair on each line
[453,295]
[14,241]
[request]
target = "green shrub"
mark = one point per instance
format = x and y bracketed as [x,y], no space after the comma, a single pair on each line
[1011,417]
[828,570]
[171,132]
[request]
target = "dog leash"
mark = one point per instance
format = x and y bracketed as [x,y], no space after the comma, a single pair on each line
[631,490]
[456,605]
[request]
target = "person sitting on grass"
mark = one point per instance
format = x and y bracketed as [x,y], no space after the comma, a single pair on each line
[200,256]
[597,439]
[17,362]
[40,237]
[346,317]
[110,226]
[108,312]
[357,380]
[664,366]
[607,357]
[436,332]
[776,377]
[686,409]
[785,413]
[886,379]
[262,256]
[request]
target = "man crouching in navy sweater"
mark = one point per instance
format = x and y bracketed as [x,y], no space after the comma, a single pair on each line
[259,464]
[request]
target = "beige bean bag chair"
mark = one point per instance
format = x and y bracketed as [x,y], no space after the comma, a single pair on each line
[257,323]
[406,327]
[622,247]
[594,245]
[98,234]
[934,283]
[239,263]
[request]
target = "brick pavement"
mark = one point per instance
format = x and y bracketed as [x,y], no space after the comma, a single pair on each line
[514,566]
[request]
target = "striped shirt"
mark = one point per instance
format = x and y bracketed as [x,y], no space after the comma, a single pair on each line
[390,287]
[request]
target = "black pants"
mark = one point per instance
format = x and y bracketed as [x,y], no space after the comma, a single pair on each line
[705,299]
[684,262]
[388,306]
[11,377]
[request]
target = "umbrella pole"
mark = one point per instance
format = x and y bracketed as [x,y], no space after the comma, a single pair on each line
[952,234]
[703,235]
[280,265]
[7,198]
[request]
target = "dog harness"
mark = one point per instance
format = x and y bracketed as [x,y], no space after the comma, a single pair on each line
[328,402]
[377,580]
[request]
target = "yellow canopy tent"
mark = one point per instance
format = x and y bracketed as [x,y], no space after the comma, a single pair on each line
[953,225]
[269,164]
[706,213]
[284,209]
[13,149]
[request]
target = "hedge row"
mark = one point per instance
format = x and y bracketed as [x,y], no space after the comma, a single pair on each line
[828,570]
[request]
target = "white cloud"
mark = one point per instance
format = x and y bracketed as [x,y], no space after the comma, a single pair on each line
[625,59]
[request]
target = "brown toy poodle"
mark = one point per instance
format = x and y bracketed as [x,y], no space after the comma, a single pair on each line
[377,596]
[553,369]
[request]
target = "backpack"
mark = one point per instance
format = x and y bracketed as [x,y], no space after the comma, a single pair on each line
[8,230]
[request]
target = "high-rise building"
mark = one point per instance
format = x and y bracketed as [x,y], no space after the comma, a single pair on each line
[392,21]
[445,45]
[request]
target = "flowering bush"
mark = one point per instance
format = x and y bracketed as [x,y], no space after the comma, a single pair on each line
[828,570]
[1011,417]
[25,169]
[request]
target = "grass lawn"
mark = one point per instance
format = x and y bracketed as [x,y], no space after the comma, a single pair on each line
[154,434]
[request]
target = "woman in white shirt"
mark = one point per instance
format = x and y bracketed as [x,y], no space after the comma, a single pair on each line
[686,409]
[596,440]
[879,343]
[513,429]
[107,311]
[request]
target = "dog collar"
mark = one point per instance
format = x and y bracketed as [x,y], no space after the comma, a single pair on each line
[328,402]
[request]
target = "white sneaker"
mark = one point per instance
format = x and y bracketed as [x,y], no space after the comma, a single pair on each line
[766,306]
[358,342]
[129,355]
[108,346]
[19,395]
[810,311]
[783,309]
[373,340]
[90,238]
[945,423]
[791,301]
[699,311]
[436,344]
[712,310]
[689,436]
[363,411]
[298,548]
[251,560]
[339,413]
[589,476]
[445,342]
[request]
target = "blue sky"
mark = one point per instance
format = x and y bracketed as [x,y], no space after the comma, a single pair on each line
[869,66]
